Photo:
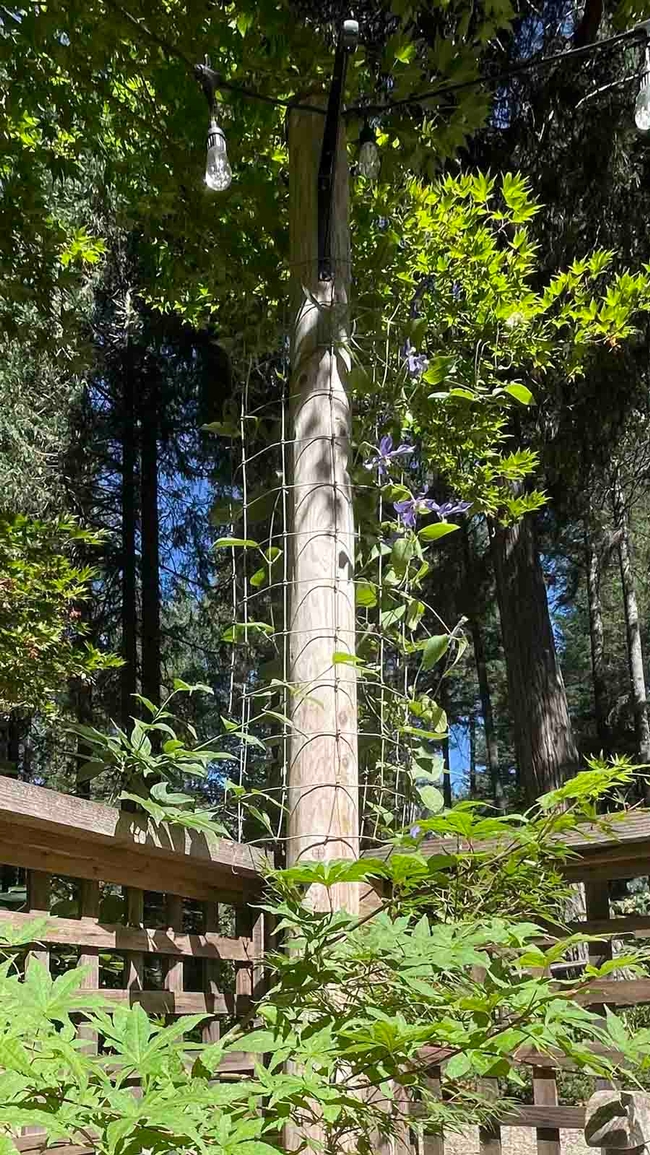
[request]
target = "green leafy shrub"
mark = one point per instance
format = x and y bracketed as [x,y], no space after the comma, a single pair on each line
[356,1013]
[43,639]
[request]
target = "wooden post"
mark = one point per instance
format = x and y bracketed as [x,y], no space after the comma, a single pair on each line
[545,1095]
[38,902]
[134,969]
[323,767]
[618,1121]
[210,1030]
[434,1144]
[174,918]
[597,908]
[89,898]
[489,1136]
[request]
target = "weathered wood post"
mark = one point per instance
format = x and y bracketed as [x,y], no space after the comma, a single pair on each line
[323,788]
[618,1121]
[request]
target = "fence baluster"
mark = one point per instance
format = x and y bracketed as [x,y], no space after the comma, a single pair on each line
[89,956]
[434,1144]
[211,1030]
[38,902]
[489,1136]
[174,916]
[134,969]
[545,1095]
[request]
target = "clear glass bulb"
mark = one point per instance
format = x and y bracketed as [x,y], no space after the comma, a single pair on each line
[642,106]
[218,173]
[369,160]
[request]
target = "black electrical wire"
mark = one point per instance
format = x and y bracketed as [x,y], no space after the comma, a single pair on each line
[639,33]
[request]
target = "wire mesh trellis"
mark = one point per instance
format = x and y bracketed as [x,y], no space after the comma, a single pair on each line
[263,691]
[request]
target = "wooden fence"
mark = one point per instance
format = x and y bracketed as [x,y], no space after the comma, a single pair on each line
[167,918]
[180,937]
[600,858]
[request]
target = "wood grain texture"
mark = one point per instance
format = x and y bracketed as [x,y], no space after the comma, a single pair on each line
[210,1031]
[134,966]
[36,1142]
[119,862]
[489,1137]
[530,1115]
[434,1144]
[258,938]
[89,957]
[244,975]
[616,992]
[620,851]
[91,934]
[545,1095]
[174,914]
[40,811]
[597,908]
[323,793]
[38,903]
[562,1118]
[176,1002]
[527,1056]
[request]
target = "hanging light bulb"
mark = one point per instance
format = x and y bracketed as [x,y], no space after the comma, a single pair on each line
[218,173]
[642,106]
[369,160]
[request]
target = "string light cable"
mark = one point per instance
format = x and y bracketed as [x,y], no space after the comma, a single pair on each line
[639,34]
[218,174]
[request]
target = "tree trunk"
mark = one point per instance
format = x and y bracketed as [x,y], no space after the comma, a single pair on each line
[546,751]
[129,610]
[323,778]
[149,533]
[472,755]
[633,628]
[597,643]
[14,728]
[489,729]
[83,708]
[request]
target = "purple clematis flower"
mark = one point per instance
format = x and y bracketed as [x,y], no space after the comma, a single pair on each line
[413,507]
[386,454]
[449,508]
[416,362]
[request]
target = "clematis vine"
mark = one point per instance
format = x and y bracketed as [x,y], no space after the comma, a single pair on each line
[416,362]
[385,455]
[413,507]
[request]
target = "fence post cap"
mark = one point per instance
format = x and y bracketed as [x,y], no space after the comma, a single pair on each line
[619,1120]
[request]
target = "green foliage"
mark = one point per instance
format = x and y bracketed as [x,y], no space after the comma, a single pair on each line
[355,1011]
[152,765]
[38,398]
[117,107]
[458,335]
[50,1080]
[463,253]
[42,630]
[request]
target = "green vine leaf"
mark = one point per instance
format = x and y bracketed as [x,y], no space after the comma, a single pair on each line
[436,531]
[236,543]
[433,649]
